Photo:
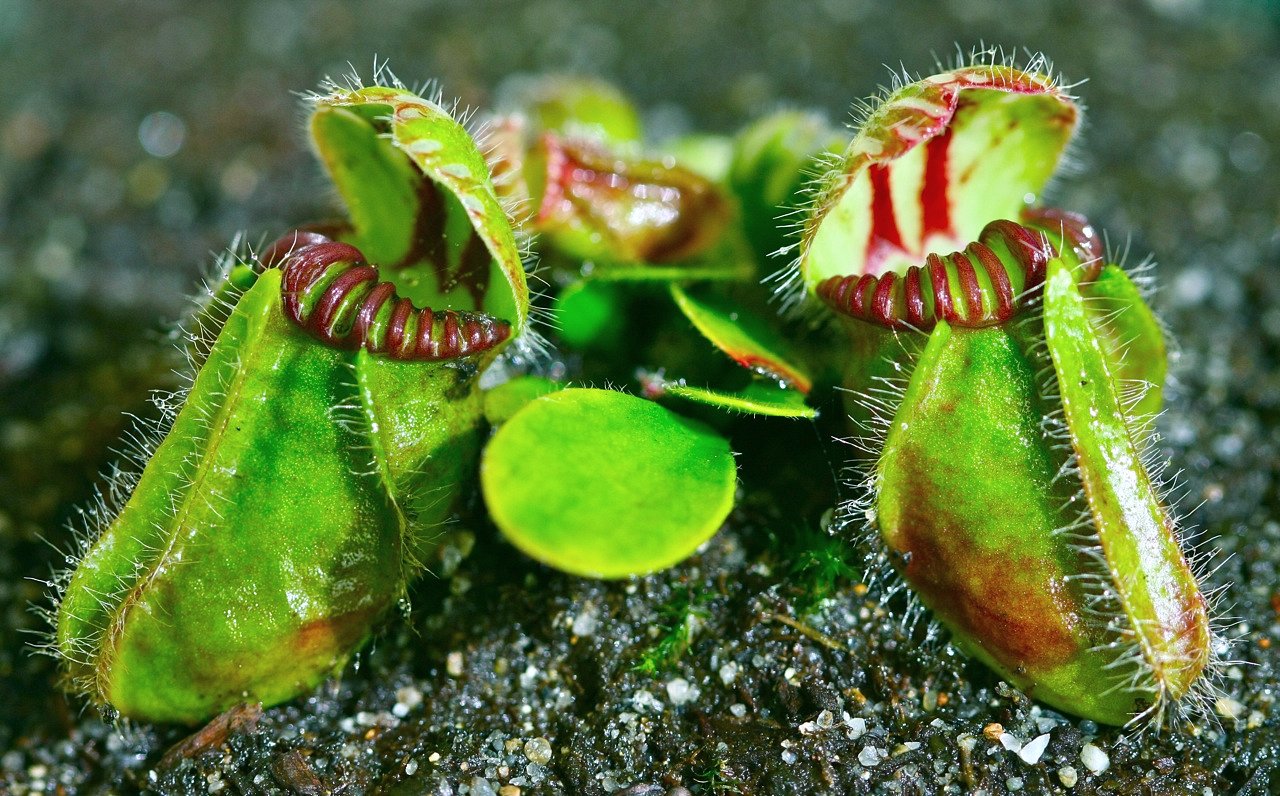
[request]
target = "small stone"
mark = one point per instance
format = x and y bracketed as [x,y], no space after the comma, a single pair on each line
[1067,776]
[857,728]
[584,624]
[538,750]
[826,720]
[1014,783]
[729,673]
[408,696]
[679,691]
[967,742]
[529,679]
[1228,708]
[411,768]
[1010,742]
[509,790]
[481,787]
[1033,749]
[738,709]
[871,755]
[453,664]
[930,700]
[993,731]
[1094,758]
[1255,720]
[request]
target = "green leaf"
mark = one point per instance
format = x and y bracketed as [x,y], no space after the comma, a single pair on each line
[772,159]
[704,154]
[591,314]
[1131,336]
[258,546]
[746,339]
[1153,581]
[581,107]
[755,399]
[510,397]
[604,484]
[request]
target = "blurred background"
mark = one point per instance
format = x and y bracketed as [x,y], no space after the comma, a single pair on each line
[138,138]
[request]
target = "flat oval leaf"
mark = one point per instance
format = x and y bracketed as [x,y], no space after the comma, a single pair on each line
[756,399]
[604,484]
[747,340]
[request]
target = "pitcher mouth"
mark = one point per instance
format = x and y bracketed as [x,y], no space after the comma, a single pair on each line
[332,292]
[986,284]
[931,165]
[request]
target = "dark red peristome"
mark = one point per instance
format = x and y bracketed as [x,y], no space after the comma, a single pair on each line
[328,289]
[1073,230]
[971,288]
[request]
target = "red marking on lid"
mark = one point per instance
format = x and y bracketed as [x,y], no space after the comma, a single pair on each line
[884,224]
[935,198]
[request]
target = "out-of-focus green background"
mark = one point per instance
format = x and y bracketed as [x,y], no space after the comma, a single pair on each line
[136,138]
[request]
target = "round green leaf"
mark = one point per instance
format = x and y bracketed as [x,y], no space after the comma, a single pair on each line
[604,484]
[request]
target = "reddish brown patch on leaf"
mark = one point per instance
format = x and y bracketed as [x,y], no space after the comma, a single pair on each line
[1001,600]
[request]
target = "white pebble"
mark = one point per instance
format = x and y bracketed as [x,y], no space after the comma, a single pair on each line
[1228,708]
[584,624]
[1010,742]
[1067,776]
[679,691]
[453,664]
[857,728]
[871,755]
[729,673]
[408,696]
[1033,749]
[1094,758]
